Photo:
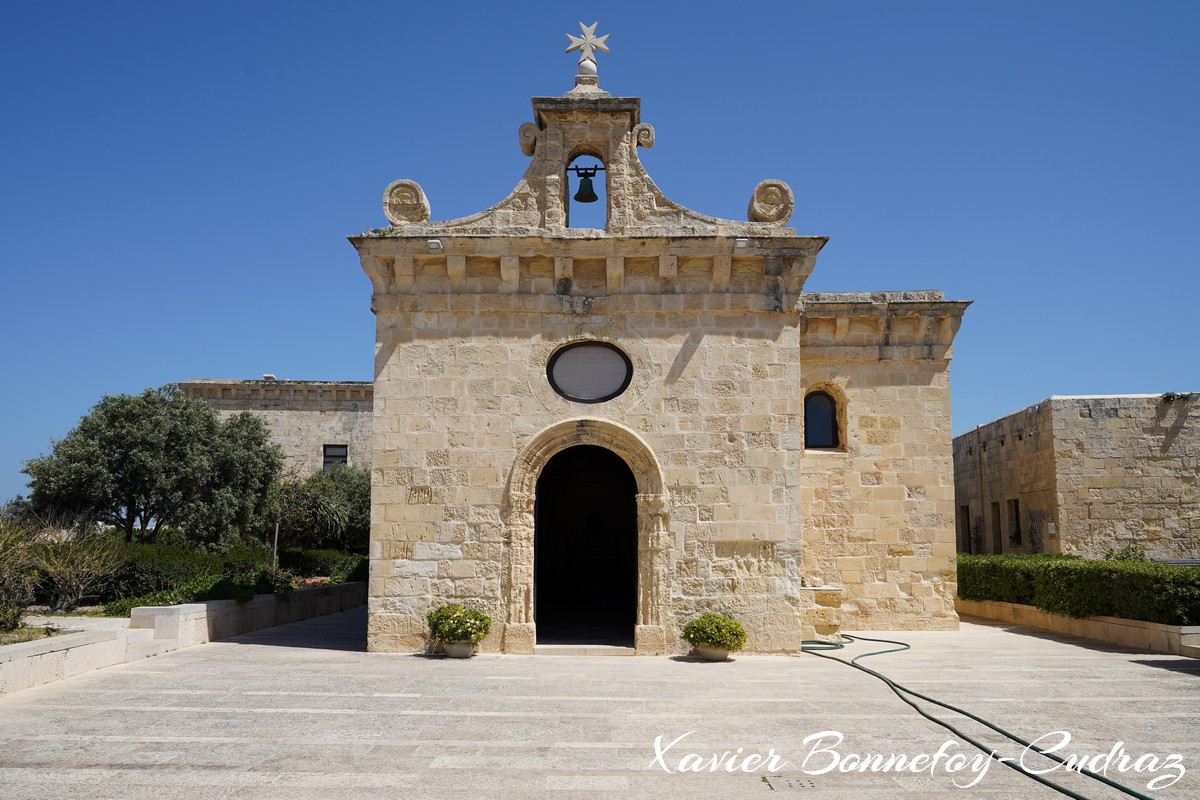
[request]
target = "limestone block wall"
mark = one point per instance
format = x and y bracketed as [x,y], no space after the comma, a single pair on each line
[732,513]
[878,511]
[303,415]
[1011,459]
[1089,473]
[1127,474]
[466,419]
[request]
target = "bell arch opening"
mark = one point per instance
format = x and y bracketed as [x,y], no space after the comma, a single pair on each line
[585,549]
[587,193]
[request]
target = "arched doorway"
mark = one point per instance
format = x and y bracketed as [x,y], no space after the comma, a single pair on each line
[585,549]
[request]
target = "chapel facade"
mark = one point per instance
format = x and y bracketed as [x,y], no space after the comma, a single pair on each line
[596,434]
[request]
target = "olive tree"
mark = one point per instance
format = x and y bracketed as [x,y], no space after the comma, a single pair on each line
[143,462]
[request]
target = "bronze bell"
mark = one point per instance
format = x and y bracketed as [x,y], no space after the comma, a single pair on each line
[586,193]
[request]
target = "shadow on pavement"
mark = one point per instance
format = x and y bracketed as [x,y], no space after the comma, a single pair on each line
[345,631]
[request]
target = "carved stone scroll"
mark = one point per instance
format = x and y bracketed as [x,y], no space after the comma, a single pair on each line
[643,134]
[772,201]
[404,203]
[527,134]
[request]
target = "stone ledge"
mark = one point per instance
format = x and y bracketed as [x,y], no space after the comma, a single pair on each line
[196,623]
[117,641]
[29,664]
[1151,636]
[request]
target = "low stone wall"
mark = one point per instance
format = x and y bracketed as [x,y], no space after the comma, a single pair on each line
[153,630]
[47,660]
[196,623]
[1151,636]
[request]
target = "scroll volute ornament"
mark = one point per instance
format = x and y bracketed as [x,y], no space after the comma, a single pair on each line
[772,202]
[404,203]
[527,135]
[643,134]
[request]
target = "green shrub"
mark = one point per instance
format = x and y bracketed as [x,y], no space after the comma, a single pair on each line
[354,568]
[153,568]
[184,593]
[457,623]
[1130,552]
[322,563]
[74,564]
[241,560]
[1075,587]
[207,587]
[18,575]
[1008,578]
[715,630]
[227,589]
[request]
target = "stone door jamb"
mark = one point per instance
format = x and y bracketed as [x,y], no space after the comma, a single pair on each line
[654,621]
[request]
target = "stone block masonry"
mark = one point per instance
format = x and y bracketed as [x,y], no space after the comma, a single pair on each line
[1081,475]
[730,511]
[303,416]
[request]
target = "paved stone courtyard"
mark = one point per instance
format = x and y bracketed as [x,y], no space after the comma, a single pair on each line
[301,711]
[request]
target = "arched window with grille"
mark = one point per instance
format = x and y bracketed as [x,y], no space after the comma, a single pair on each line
[821,421]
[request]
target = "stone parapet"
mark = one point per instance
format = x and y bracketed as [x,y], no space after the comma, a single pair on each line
[875,326]
[250,395]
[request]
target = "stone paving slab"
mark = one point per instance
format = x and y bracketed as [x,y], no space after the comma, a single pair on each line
[300,711]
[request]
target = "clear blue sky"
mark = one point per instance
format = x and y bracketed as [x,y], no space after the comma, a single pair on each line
[178,179]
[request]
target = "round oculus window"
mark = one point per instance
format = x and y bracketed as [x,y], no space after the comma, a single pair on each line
[589,372]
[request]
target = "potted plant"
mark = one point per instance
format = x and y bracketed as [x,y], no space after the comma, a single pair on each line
[714,636]
[458,628]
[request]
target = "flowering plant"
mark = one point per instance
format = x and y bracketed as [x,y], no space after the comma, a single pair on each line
[715,630]
[457,623]
[307,583]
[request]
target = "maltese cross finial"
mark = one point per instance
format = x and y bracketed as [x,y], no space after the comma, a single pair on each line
[589,43]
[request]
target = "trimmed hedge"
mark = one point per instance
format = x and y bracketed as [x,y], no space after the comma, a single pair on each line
[153,568]
[1076,587]
[207,587]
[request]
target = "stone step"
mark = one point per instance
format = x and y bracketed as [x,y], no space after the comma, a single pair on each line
[582,650]
[149,647]
[1191,650]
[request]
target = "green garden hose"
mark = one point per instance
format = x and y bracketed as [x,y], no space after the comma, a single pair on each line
[815,647]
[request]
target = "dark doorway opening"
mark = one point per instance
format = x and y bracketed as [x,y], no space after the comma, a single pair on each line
[585,549]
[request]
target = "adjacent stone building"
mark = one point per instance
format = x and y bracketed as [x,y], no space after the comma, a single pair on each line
[1081,475]
[595,434]
[316,423]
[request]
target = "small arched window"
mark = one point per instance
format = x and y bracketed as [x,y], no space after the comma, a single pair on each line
[820,421]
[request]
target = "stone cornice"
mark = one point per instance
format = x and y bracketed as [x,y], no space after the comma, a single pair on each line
[775,267]
[869,326]
[287,395]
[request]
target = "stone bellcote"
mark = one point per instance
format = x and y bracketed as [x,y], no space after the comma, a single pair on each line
[497,250]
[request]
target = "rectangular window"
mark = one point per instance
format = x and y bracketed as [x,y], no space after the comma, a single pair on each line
[1014,522]
[335,454]
[997,533]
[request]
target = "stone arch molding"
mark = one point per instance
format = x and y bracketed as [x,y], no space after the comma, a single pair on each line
[653,611]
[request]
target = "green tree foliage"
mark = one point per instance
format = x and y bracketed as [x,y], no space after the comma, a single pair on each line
[330,509]
[142,462]
[351,487]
